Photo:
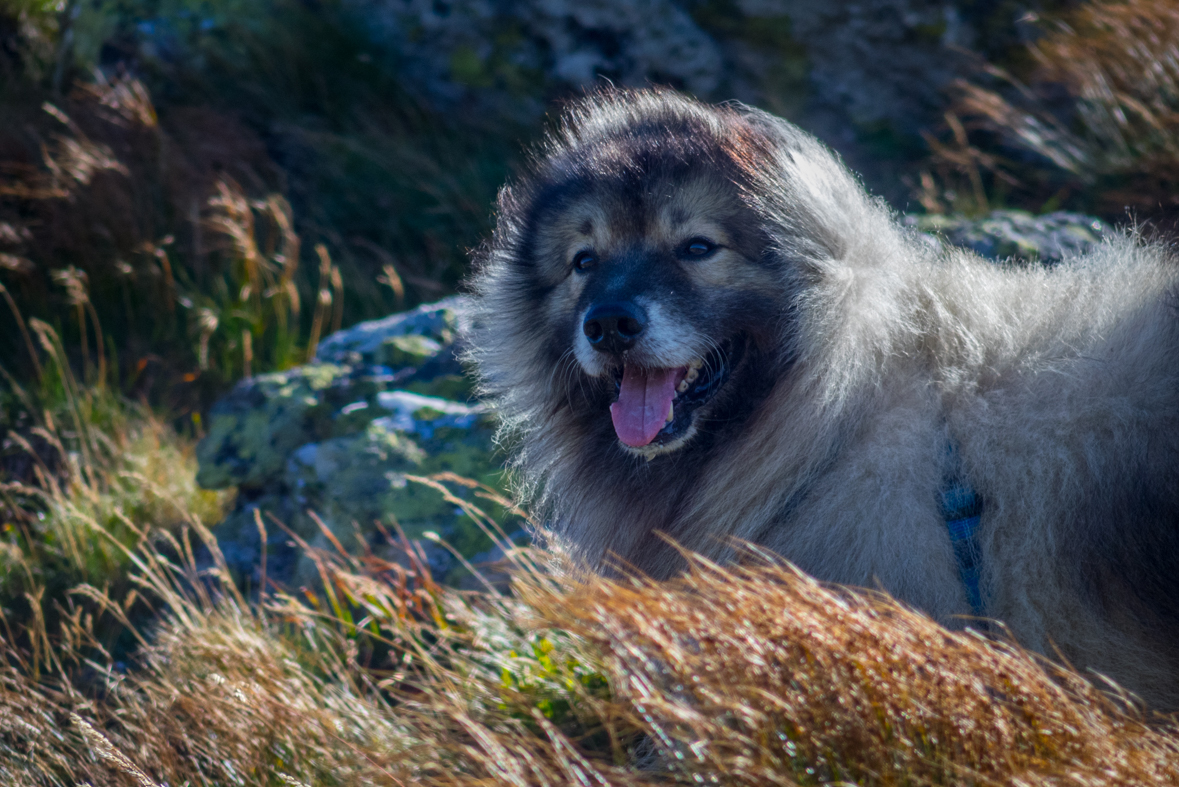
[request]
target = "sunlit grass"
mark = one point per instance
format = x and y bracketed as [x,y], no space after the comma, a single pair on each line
[173,224]
[104,475]
[1091,123]
[379,675]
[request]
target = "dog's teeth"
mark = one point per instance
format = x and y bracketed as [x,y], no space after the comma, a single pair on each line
[670,412]
[683,386]
[696,364]
[690,377]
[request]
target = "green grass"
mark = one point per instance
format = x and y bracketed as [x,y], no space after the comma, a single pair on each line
[127,662]
[154,250]
[88,475]
[164,238]
[189,212]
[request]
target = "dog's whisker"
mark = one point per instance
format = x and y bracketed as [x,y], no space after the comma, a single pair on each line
[569,374]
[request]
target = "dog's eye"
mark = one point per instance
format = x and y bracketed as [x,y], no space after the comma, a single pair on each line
[584,260]
[699,247]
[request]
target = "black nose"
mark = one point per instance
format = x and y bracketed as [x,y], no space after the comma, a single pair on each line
[614,327]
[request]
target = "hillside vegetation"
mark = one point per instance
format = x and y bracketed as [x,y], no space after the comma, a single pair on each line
[753,675]
[193,193]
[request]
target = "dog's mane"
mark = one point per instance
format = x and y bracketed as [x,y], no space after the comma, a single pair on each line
[817,216]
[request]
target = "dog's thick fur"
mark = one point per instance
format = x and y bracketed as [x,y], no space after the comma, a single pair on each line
[866,353]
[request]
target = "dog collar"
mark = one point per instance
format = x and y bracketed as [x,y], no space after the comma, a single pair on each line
[962,511]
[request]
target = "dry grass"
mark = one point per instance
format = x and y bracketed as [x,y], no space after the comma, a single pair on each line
[748,675]
[85,466]
[759,675]
[176,224]
[1116,64]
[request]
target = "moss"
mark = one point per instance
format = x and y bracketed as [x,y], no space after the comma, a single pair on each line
[427,414]
[783,75]
[409,350]
[468,539]
[362,478]
[930,33]
[468,453]
[466,68]
[1004,234]
[883,142]
[351,418]
[455,387]
[252,431]
[334,441]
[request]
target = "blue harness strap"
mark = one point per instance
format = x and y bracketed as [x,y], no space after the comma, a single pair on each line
[962,511]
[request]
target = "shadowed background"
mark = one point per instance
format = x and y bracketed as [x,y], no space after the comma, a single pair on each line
[197,173]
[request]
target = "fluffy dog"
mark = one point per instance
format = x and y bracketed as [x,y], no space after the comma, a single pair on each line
[700,328]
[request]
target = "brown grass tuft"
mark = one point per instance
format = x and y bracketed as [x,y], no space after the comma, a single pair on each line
[754,674]
[759,675]
[1101,103]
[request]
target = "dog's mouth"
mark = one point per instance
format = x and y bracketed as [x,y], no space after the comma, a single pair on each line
[657,407]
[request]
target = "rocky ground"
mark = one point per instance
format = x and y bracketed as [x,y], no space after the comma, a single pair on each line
[817,63]
[342,437]
[1016,234]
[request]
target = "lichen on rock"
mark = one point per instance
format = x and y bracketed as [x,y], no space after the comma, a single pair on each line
[255,428]
[337,443]
[1005,234]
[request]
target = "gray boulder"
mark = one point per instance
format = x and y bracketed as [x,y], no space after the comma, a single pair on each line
[1004,234]
[507,57]
[340,446]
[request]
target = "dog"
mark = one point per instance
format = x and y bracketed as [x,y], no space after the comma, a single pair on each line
[700,331]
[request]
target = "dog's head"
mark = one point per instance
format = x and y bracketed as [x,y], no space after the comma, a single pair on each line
[631,279]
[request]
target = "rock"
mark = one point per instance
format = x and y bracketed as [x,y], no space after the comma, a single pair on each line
[411,350]
[865,77]
[337,445]
[816,62]
[921,41]
[365,478]
[1004,234]
[364,343]
[506,58]
[265,418]
[497,54]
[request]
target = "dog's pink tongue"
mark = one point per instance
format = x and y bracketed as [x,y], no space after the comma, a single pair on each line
[643,401]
